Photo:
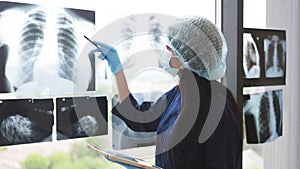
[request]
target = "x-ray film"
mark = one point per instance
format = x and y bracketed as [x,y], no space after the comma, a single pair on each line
[123,136]
[251,57]
[79,117]
[142,48]
[264,57]
[26,121]
[40,48]
[263,116]
[275,49]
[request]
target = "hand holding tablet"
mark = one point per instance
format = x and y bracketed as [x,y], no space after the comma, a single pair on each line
[120,158]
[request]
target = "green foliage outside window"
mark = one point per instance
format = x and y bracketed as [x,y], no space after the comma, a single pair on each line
[80,157]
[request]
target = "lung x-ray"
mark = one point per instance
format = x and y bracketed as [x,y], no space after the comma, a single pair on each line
[40,48]
[263,116]
[264,57]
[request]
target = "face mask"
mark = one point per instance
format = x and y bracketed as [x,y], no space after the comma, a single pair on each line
[164,63]
[172,71]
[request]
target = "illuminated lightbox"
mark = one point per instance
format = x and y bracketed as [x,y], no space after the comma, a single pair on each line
[78,117]
[40,48]
[263,116]
[26,121]
[264,57]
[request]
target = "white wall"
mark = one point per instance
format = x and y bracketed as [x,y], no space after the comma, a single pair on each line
[254,14]
[285,152]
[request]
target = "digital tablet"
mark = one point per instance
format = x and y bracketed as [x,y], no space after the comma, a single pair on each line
[123,158]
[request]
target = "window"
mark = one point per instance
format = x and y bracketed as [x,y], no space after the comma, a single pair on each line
[254,17]
[254,13]
[140,55]
[146,79]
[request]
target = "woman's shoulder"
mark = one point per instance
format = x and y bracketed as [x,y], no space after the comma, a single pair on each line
[172,91]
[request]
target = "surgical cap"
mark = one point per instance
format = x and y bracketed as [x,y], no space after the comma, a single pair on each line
[199,45]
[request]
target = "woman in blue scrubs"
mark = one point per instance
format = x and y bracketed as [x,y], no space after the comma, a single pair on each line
[196,121]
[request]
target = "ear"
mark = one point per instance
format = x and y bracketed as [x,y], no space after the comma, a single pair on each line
[175,63]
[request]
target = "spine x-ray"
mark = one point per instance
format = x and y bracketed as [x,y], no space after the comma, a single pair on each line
[40,49]
[263,116]
[26,121]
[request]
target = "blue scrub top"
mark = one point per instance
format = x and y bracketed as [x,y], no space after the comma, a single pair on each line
[178,129]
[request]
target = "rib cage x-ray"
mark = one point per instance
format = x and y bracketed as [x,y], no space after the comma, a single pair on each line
[251,58]
[44,49]
[264,57]
[26,121]
[140,48]
[139,33]
[30,46]
[263,116]
[275,51]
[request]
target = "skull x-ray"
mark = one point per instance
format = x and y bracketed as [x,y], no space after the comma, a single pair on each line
[26,121]
[275,50]
[263,116]
[264,57]
[81,117]
[40,49]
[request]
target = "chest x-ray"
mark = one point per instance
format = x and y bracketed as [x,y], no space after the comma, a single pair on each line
[26,121]
[275,50]
[251,58]
[140,42]
[40,49]
[263,116]
[264,57]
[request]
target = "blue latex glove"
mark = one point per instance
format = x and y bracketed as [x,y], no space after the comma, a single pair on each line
[110,54]
[122,164]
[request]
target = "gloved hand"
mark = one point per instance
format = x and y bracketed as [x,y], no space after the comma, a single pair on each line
[123,164]
[110,54]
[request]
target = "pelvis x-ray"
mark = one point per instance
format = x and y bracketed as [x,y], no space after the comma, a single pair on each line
[251,58]
[40,49]
[263,116]
[26,121]
[81,117]
[275,51]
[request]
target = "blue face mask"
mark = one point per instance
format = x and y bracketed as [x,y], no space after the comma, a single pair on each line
[172,71]
[164,63]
